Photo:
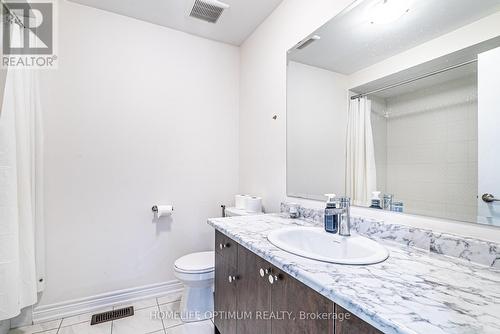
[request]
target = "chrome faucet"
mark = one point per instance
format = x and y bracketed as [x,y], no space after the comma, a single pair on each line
[344,216]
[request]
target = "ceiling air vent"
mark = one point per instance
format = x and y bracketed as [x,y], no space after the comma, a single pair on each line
[305,43]
[208,10]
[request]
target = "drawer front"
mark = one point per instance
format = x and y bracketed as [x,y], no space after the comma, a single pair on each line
[227,248]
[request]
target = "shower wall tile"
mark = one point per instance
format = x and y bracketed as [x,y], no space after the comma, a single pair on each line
[432,149]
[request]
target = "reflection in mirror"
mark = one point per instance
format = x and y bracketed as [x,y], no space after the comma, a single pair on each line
[425,144]
[399,112]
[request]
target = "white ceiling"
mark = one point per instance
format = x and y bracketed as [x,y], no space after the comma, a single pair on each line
[233,27]
[349,42]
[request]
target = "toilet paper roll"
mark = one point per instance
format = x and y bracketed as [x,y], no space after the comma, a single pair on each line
[163,210]
[253,204]
[240,201]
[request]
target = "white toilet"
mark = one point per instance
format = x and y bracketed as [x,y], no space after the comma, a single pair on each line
[196,272]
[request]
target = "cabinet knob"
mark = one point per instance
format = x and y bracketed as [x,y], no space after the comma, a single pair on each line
[232,279]
[273,278]
[222,246]
[263,272]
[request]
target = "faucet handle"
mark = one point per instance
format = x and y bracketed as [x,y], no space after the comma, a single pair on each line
[344,201]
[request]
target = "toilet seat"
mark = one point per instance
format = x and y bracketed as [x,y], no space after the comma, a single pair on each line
[196,263]
[196,272]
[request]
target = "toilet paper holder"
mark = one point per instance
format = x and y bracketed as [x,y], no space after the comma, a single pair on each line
[155,210]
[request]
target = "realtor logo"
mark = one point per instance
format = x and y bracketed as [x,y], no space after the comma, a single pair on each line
[28,34]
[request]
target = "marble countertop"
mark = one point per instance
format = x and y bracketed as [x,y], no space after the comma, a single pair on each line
[413,291]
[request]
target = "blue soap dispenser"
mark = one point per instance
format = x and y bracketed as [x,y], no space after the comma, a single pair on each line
[331,217]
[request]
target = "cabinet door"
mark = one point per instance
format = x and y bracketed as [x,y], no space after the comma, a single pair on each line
[227,248]
[225,296]
[254,293]
[304,305]
[352,324]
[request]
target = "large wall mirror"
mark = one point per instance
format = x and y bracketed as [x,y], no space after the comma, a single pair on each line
[399,100]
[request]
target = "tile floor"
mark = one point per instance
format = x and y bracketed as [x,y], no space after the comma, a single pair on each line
[142,322]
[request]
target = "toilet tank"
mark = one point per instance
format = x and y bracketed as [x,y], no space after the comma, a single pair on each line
[232,212]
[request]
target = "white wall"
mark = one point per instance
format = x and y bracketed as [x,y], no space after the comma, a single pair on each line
[488,138]
[136,114]
[263,94]
[317,122]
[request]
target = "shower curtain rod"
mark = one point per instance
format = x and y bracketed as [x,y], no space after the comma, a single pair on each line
[405,82]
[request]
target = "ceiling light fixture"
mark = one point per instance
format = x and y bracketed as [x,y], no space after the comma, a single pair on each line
[388,11]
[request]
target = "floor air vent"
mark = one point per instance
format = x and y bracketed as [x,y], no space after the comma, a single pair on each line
[208,10]
[112,315]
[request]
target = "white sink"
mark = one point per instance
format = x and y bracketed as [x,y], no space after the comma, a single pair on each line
[315,243]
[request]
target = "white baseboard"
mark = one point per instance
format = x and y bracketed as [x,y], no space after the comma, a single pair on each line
[99,302]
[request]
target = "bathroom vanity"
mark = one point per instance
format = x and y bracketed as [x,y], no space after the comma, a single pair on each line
[269,300]
[393,106]
[413,291]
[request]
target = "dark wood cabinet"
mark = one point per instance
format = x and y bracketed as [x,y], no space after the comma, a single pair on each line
[227,248]
[254,297]
[303,309]
[254,293]
[225,295]
[350,324]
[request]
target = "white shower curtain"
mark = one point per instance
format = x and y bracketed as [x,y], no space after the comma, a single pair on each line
[21,216]
[361,174]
